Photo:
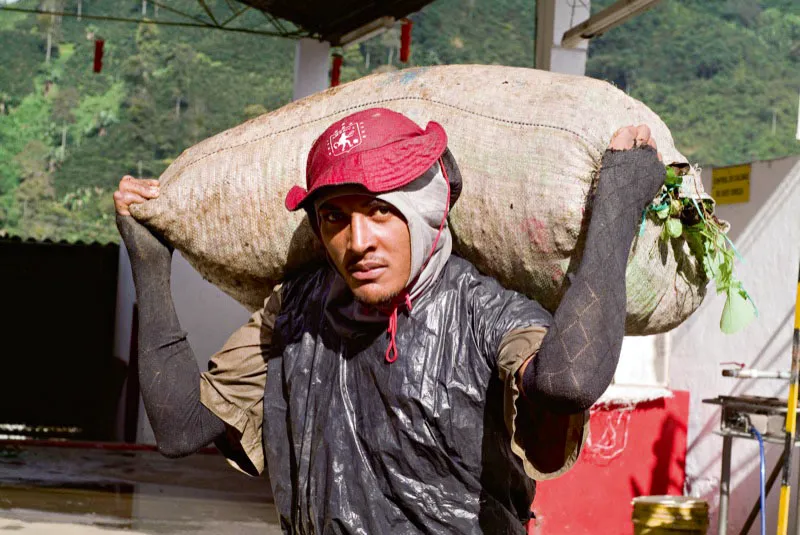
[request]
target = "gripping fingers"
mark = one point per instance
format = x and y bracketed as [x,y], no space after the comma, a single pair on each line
[146,188]
[643,136]
[123,200]
[630,137]
[623,139]
[134,190]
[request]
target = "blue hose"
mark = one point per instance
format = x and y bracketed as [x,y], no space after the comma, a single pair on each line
[763,474]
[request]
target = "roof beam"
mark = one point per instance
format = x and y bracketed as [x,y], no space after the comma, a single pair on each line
[204,24]
[612,16]
[366,31]
[234,16]
[208,11]
[178,12]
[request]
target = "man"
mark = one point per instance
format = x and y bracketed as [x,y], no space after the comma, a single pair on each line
[382,390]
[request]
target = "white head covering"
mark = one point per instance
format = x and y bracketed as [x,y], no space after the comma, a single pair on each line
[424,203]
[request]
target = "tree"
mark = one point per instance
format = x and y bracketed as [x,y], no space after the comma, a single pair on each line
[251,111]
[36,186]
[64,102]
[179,74]
[5,102]
[390,39]
[50,24]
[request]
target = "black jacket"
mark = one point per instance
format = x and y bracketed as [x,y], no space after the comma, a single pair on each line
[357,445]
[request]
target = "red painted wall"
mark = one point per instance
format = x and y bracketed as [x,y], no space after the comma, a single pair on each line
[629,453]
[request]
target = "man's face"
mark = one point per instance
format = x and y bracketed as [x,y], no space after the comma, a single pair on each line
[369,243]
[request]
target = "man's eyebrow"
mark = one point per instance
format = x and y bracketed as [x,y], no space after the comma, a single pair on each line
[328,206]
[374,201]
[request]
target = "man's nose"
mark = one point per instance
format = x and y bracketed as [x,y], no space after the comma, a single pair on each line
[361,235]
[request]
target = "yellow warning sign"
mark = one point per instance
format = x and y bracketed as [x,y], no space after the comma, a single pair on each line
[731,185]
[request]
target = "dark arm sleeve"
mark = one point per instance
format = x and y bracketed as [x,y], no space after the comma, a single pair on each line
[509,329]
[547,443]
[169,376]
[580,352]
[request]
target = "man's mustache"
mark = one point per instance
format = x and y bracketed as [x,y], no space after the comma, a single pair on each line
[365,263]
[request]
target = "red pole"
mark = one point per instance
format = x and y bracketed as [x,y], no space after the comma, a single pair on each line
[336,70]
[98,55]
[405,40]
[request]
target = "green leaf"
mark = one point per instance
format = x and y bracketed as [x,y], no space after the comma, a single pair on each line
[673,179]
[675,208]
[738,312]
[674,227]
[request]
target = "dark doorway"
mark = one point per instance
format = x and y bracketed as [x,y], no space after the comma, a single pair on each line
[56,339]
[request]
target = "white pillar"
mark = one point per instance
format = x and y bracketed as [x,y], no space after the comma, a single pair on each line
[797,136]
[553,18]
[311,62]
[126,297]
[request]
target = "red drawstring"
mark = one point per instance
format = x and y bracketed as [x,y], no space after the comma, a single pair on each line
[392,330]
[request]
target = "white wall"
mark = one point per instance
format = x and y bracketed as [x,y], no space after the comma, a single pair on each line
[311,61]
[766,231]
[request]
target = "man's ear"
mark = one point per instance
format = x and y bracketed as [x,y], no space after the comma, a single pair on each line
[453,175]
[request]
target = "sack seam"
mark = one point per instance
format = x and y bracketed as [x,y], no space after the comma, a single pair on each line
[393,99]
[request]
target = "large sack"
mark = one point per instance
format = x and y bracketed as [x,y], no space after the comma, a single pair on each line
[528,144]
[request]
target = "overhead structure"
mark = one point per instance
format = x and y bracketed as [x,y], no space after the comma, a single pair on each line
[563,28]
[338,23]
[316,24]
[598,24]
[553,18]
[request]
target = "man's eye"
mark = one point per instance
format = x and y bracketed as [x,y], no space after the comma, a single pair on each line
[383,210]
[333,217]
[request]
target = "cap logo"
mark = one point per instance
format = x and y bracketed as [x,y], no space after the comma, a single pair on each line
[345,138]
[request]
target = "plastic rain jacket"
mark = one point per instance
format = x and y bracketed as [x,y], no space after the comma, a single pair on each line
[357,445]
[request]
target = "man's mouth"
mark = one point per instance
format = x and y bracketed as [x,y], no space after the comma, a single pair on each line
[366,270]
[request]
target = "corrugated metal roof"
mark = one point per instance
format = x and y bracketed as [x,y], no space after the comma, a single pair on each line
[48,241]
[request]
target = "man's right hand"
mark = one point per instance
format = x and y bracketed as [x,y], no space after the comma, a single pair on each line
[148,252]
[134,190]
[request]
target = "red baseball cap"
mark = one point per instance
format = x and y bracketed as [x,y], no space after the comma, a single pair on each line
[376,148]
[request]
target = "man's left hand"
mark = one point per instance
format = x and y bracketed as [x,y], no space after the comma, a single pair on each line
[629,137]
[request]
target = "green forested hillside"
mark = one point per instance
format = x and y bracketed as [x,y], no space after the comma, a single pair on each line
[724,76]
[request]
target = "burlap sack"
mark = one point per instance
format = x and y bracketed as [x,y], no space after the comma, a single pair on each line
[528,144]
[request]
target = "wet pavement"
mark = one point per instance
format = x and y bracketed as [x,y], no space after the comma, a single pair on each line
[75,491]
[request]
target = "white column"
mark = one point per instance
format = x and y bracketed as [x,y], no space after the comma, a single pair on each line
[797,135]
[311,62]
[126,297]
[553,18]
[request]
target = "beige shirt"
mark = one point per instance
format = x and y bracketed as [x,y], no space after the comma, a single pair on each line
[233,389]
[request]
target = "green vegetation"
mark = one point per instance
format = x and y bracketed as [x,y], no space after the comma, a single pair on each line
[724,76]
[719,73]
[706,235]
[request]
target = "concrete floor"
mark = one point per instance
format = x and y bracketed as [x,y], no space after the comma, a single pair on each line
[69,491]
